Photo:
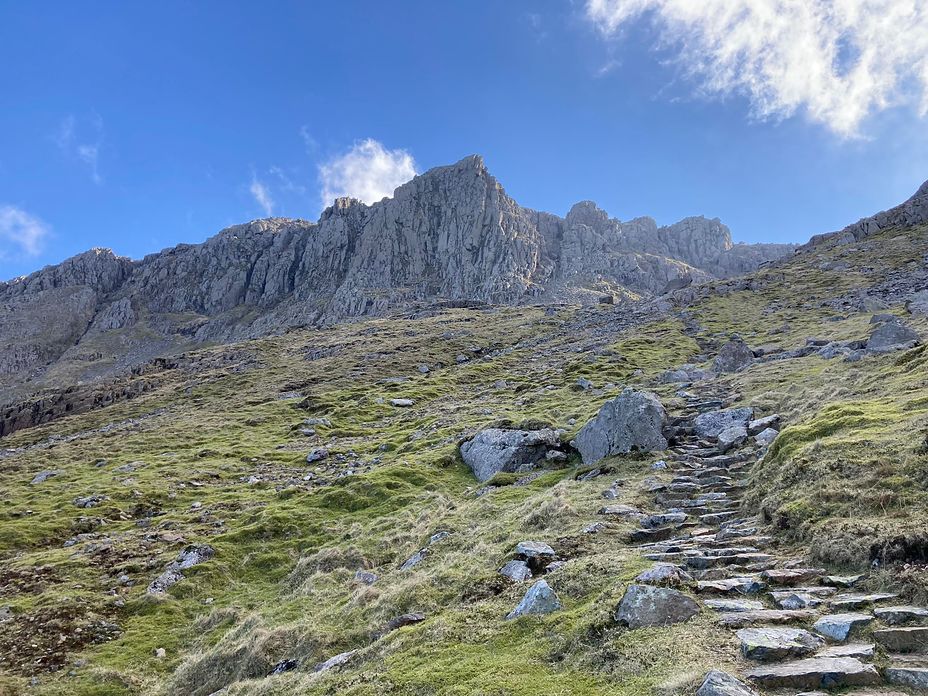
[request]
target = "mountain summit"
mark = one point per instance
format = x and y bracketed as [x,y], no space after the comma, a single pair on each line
[450,234]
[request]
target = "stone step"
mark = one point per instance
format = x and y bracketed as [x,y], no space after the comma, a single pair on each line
[907,670]
[662,519]
[791,576]
[770,643]
[857,600]
[765,616]
[744,585]
[703,562]
[897,615]
[731,606]
[716,518]
[862,651]
[905,639]
[816,673]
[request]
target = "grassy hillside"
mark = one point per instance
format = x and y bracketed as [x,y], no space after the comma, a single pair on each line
[217,455]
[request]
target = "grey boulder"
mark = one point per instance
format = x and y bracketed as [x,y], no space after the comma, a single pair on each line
[516,570]
[540,599]
[496,450]
[734,356]
[713,423]
[643,606]
[890,336]
[634,420]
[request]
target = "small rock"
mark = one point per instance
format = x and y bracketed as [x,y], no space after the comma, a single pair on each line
[283,666]
[333,662]
[766,437]
[759,425]
[365,577]
[404,620]
[719,683]
[43,476]
[516,570]
[317,455]
[540,599]
[402,403]
[424,369]
[415,559]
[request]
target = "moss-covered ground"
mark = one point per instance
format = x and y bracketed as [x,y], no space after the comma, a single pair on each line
[217,455]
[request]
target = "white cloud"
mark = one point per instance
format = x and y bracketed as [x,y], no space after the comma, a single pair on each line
[837,61]
[262,196]
[20,229]
[69,142]
[368,172]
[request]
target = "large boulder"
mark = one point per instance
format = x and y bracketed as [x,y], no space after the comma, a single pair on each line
[644,605]
[714,423]
[494,450]
[634,420]
[890,336]
[734,356]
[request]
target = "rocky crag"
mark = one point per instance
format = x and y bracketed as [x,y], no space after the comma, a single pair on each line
[450,235]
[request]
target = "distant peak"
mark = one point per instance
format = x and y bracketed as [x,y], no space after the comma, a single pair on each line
[587,213]
[922,191]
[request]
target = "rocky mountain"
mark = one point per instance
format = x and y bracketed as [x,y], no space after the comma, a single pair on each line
[449,235]
[718,491]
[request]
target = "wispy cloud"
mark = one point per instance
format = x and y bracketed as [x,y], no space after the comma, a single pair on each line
[22,231]
[262,196]
[72,139]
[309,142]
[837,61]
[368,172]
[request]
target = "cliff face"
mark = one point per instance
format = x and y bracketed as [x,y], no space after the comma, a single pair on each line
[449,234]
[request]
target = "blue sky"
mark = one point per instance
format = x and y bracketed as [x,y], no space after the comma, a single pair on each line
[138,126]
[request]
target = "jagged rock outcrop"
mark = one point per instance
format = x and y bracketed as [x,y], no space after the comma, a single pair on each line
[912,212]
[451,234]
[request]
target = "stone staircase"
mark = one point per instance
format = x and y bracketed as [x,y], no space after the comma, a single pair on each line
[801,629]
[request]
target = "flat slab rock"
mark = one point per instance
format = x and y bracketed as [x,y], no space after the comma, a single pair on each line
[643,606]
[774,616]
[816,673]
[718,683]
[770,643]
[862,651]
[731,586]
[839,626]
[734,605]
[913,677]
[910,639]
[901,615]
